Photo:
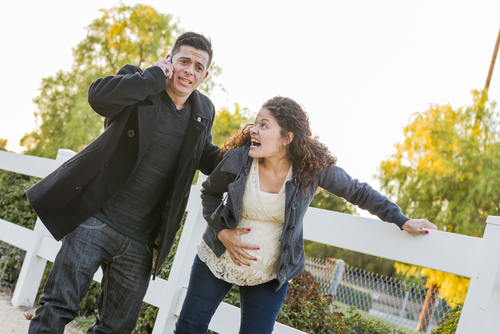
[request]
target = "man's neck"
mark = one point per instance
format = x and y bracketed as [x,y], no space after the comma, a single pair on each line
[180,102]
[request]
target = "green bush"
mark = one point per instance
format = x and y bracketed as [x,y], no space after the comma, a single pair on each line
[14,207]
[355,297]
[450,321]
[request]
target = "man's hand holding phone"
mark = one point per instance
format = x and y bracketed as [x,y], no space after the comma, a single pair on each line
[166,66]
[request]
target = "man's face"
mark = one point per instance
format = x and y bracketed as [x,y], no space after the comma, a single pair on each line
[190,70]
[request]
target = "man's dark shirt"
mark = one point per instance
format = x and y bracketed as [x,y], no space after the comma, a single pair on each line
[137,208]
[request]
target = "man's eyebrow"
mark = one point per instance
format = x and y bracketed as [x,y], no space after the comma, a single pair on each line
[190,58]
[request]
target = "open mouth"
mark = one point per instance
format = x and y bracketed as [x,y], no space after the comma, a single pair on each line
[255,142]
[186,81]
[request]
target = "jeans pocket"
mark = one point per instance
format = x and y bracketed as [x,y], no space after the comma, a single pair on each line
[93,224]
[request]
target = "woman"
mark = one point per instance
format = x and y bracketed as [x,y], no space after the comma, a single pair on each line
[254,239]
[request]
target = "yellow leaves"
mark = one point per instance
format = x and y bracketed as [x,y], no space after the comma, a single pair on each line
[451,287]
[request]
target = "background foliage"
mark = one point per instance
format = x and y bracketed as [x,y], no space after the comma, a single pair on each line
[446,169]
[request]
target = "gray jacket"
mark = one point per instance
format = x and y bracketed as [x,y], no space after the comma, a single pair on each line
[230,176]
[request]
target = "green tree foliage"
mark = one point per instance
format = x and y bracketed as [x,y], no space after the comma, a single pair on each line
[136,35]
[446,169]
[227,123]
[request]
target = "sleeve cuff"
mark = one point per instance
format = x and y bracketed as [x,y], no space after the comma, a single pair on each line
[399,219]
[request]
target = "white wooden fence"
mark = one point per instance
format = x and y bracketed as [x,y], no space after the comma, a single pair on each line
[477,258]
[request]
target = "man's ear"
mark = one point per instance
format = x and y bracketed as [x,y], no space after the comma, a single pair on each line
[206,75]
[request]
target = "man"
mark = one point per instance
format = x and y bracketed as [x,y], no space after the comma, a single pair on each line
[126,189]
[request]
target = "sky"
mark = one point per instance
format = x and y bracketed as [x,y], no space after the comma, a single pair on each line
[360,68]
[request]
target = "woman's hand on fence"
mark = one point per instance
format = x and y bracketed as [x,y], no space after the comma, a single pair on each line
[418,226]
[235,247]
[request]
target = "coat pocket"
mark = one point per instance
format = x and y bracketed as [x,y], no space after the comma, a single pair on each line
[95,146]
[297,253]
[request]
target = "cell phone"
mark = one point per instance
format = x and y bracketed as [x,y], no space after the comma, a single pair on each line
[169,59]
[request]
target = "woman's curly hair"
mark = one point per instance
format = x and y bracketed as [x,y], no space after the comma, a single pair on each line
[309,152]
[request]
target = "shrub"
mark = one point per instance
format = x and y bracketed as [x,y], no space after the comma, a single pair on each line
[14,207]
[450,321]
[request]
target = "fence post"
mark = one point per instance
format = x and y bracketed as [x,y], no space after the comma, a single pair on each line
[337,277]
[482,304]
[33,266]
[32,270]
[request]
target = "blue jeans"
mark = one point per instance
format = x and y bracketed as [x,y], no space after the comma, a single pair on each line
[126,265]
[259,304]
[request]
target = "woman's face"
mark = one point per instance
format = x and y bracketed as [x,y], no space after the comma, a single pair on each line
[266,137]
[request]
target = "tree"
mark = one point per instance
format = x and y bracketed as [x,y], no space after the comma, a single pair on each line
[446,169]
[227,123]
[122,35]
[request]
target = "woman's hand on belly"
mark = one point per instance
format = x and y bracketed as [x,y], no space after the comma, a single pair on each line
[235,247]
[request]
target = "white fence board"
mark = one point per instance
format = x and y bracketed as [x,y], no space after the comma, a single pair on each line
[438,250]
[16,235]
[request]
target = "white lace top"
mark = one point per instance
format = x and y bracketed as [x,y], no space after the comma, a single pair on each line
[264,213]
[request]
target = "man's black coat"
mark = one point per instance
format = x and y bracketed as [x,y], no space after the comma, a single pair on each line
[130,102]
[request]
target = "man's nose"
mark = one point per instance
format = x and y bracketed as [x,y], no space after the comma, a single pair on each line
[189,69]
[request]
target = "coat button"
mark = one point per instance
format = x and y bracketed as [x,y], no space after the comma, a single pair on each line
[131,133]
[295,205]
[291,228]
[106,164]
[78,189]
[283,268]
[295,180]
[287,247]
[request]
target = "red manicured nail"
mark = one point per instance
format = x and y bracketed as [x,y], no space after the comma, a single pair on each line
[426,232]
[248,265]
[249,229]
[255,259]
[258,248]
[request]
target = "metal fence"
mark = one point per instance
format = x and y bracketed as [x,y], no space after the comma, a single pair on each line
[410,307]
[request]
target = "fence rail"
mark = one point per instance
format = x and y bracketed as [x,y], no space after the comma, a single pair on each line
[439,250]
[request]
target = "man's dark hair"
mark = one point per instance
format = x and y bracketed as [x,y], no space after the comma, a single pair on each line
[195,40]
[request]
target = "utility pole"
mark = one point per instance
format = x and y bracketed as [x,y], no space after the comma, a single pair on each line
[492,64]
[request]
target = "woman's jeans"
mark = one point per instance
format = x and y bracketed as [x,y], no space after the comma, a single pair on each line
[126,265]
[259,304]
